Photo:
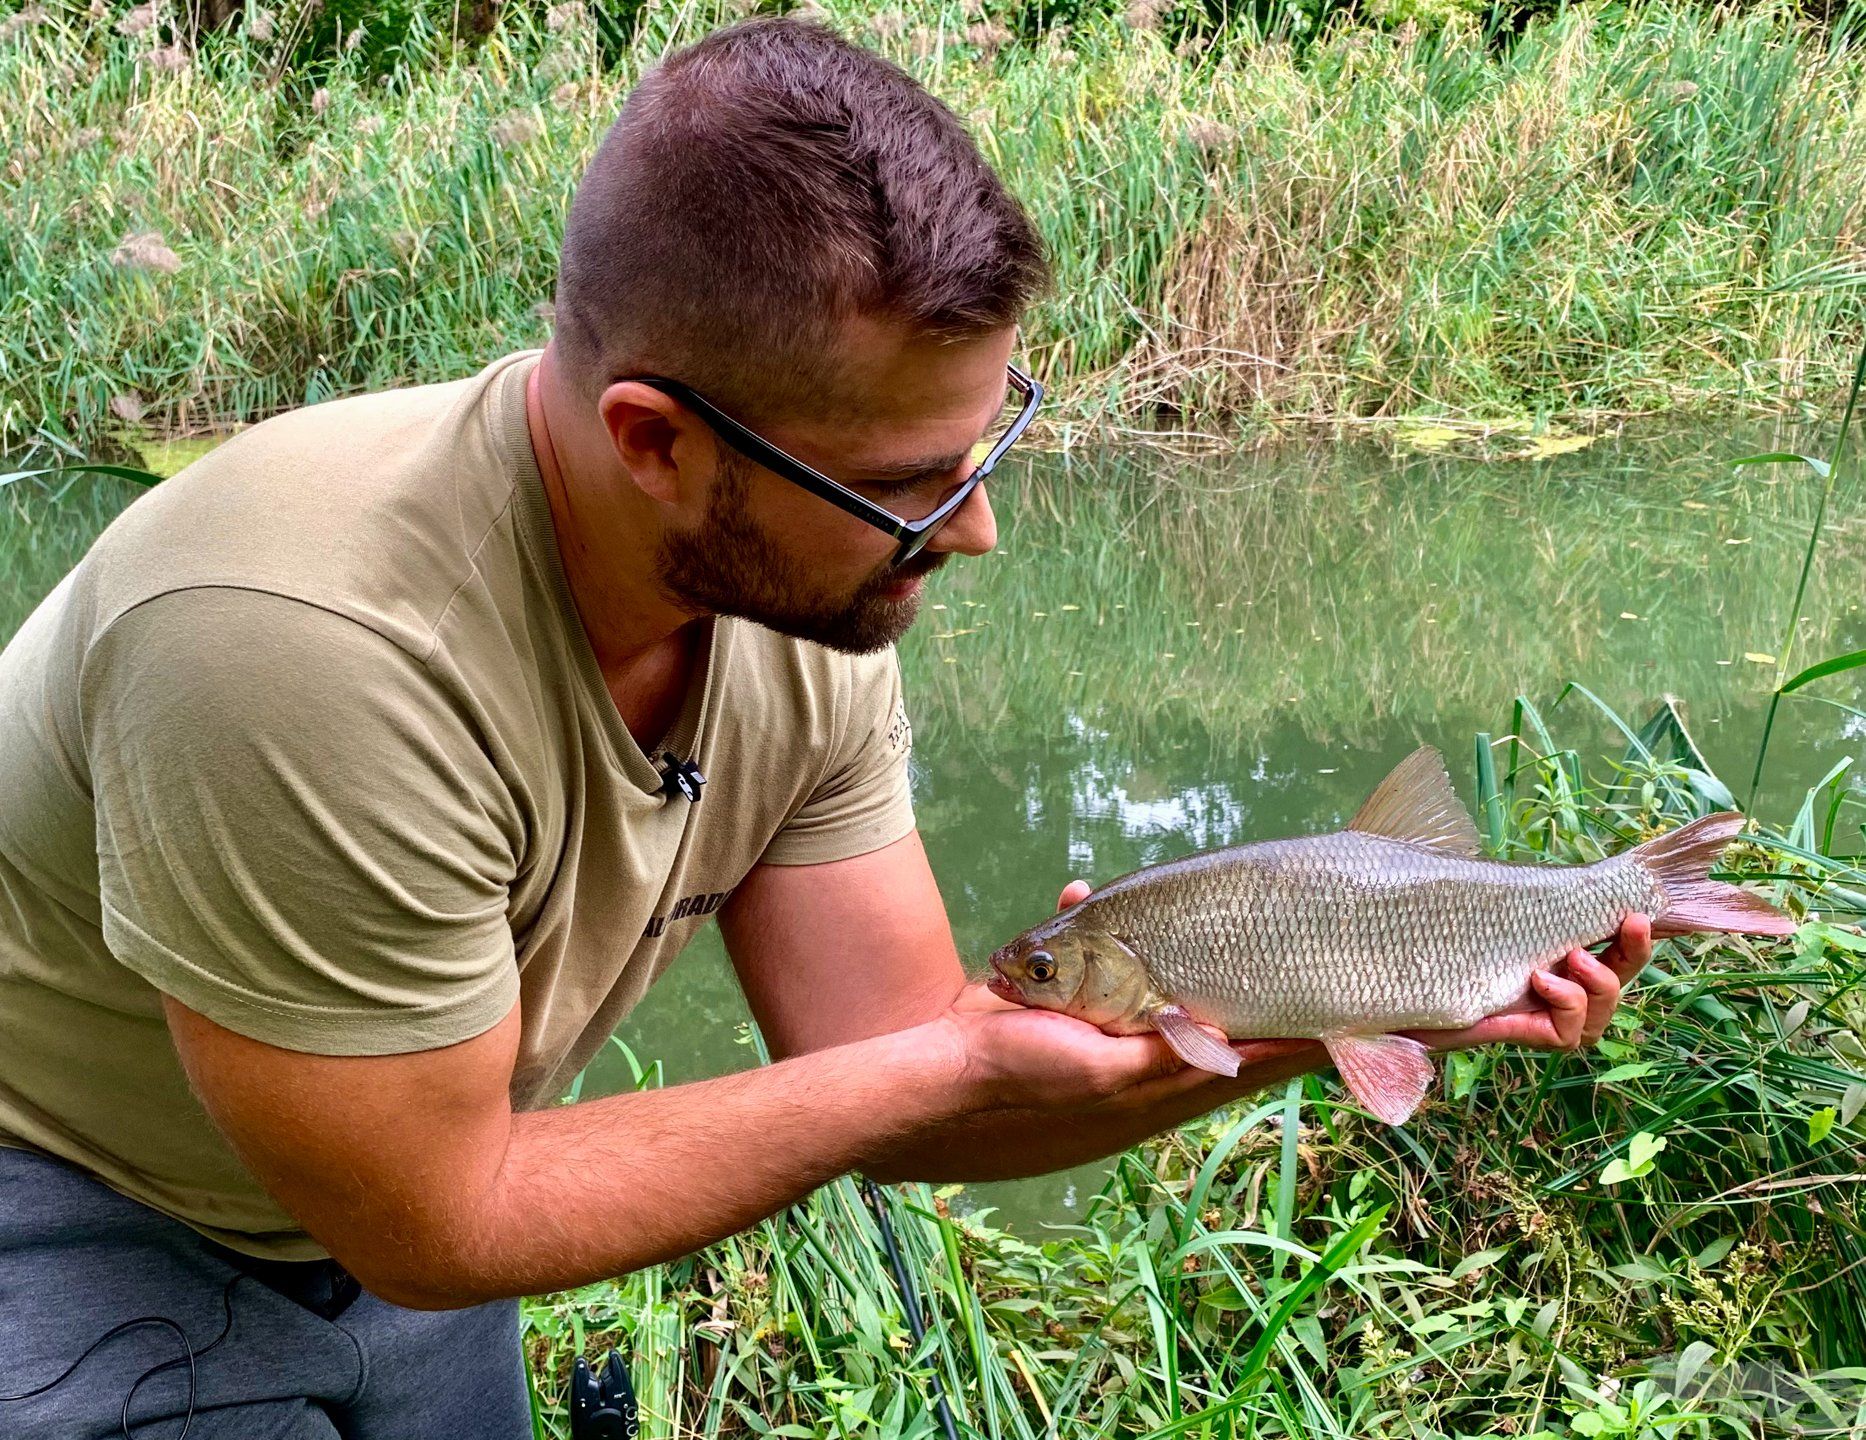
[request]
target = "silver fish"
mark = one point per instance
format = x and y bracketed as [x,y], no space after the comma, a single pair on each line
[1391,924]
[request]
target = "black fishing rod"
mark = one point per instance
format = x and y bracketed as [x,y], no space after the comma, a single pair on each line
[914,1322]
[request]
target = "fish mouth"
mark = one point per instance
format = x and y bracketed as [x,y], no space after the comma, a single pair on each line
[1001,984]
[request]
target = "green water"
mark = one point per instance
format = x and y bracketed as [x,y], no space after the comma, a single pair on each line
[1170,654]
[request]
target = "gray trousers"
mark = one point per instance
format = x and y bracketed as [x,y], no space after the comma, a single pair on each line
[309,1355]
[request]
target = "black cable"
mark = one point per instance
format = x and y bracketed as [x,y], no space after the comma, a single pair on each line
[189,1358]
[914,1322]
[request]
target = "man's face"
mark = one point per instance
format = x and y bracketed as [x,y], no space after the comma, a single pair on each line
[770,552]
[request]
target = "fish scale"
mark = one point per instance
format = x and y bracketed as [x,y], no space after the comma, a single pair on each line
[1299,937]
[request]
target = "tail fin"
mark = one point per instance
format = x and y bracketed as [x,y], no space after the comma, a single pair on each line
[1680,861]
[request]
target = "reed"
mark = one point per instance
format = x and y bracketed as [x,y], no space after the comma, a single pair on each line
[1621,210]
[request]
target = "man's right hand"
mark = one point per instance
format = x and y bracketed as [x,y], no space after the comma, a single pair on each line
[1041,1060]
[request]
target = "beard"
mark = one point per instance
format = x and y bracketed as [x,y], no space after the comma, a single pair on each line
[728,565]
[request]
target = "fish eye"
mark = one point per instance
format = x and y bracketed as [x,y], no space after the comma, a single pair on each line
[1042,966]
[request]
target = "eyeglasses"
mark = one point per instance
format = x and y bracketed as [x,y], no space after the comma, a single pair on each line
[912,534]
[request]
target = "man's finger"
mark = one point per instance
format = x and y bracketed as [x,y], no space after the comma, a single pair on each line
[1074,893]
[1602,985]
[1251,1051]
[1631,950]
[1149,1093]
[1567,1004]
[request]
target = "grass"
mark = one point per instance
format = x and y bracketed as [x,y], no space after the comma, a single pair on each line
[1623,210]
[1289,1268]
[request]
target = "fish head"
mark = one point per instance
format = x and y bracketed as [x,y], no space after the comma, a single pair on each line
[1081,971]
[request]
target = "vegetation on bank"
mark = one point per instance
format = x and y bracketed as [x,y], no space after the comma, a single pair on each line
[1618,209]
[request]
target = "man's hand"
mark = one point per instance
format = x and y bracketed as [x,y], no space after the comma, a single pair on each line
[1040,1060]
[1567,1011]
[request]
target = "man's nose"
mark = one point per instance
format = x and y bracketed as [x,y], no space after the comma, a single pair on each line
[973,529]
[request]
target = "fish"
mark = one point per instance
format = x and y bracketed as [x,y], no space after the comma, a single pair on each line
[1395,923]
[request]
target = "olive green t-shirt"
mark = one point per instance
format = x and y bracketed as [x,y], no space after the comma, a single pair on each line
[314,741]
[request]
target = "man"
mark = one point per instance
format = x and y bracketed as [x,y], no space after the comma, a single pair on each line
[366,773]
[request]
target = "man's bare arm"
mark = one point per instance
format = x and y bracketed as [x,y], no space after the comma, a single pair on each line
[416,1174]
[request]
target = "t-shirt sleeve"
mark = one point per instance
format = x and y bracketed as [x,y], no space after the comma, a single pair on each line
[298,835]
[862,802]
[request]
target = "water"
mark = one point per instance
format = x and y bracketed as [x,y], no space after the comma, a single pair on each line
[1172,654]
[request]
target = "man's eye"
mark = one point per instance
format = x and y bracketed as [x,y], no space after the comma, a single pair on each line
[919,488]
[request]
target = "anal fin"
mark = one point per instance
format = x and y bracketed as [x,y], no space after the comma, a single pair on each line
[1387,1074]
[1191,1044]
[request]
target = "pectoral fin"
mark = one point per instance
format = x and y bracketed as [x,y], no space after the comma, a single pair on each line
[1388,1074]
[1190,1043]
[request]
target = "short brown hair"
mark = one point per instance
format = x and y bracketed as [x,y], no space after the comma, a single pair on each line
[759,189]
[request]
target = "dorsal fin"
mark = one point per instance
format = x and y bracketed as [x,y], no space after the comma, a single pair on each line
[1417,804]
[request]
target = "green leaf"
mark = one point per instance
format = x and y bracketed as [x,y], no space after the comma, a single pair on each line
[1643,1146]
[1588,1424]
[1691,1359]
[1478,1261]
[121,472]
[1826,667]
[1714,1252]
[1787,457]
[1821,1124]
[1628,1072]
[1617,1170]
[1710,789]
[1463,1069]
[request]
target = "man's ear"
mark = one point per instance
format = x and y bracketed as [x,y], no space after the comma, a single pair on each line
[667,451]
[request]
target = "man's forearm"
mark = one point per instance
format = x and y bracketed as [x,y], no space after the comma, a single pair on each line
[598,1189]
[1012,1144]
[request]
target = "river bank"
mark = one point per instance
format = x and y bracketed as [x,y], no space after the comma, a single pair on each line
[1619,211]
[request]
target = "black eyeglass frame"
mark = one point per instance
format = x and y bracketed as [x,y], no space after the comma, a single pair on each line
[912,534]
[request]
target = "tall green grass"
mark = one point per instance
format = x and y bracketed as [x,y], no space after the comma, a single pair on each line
[1624,209]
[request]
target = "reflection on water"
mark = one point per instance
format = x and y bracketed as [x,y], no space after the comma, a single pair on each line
[1168,655]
